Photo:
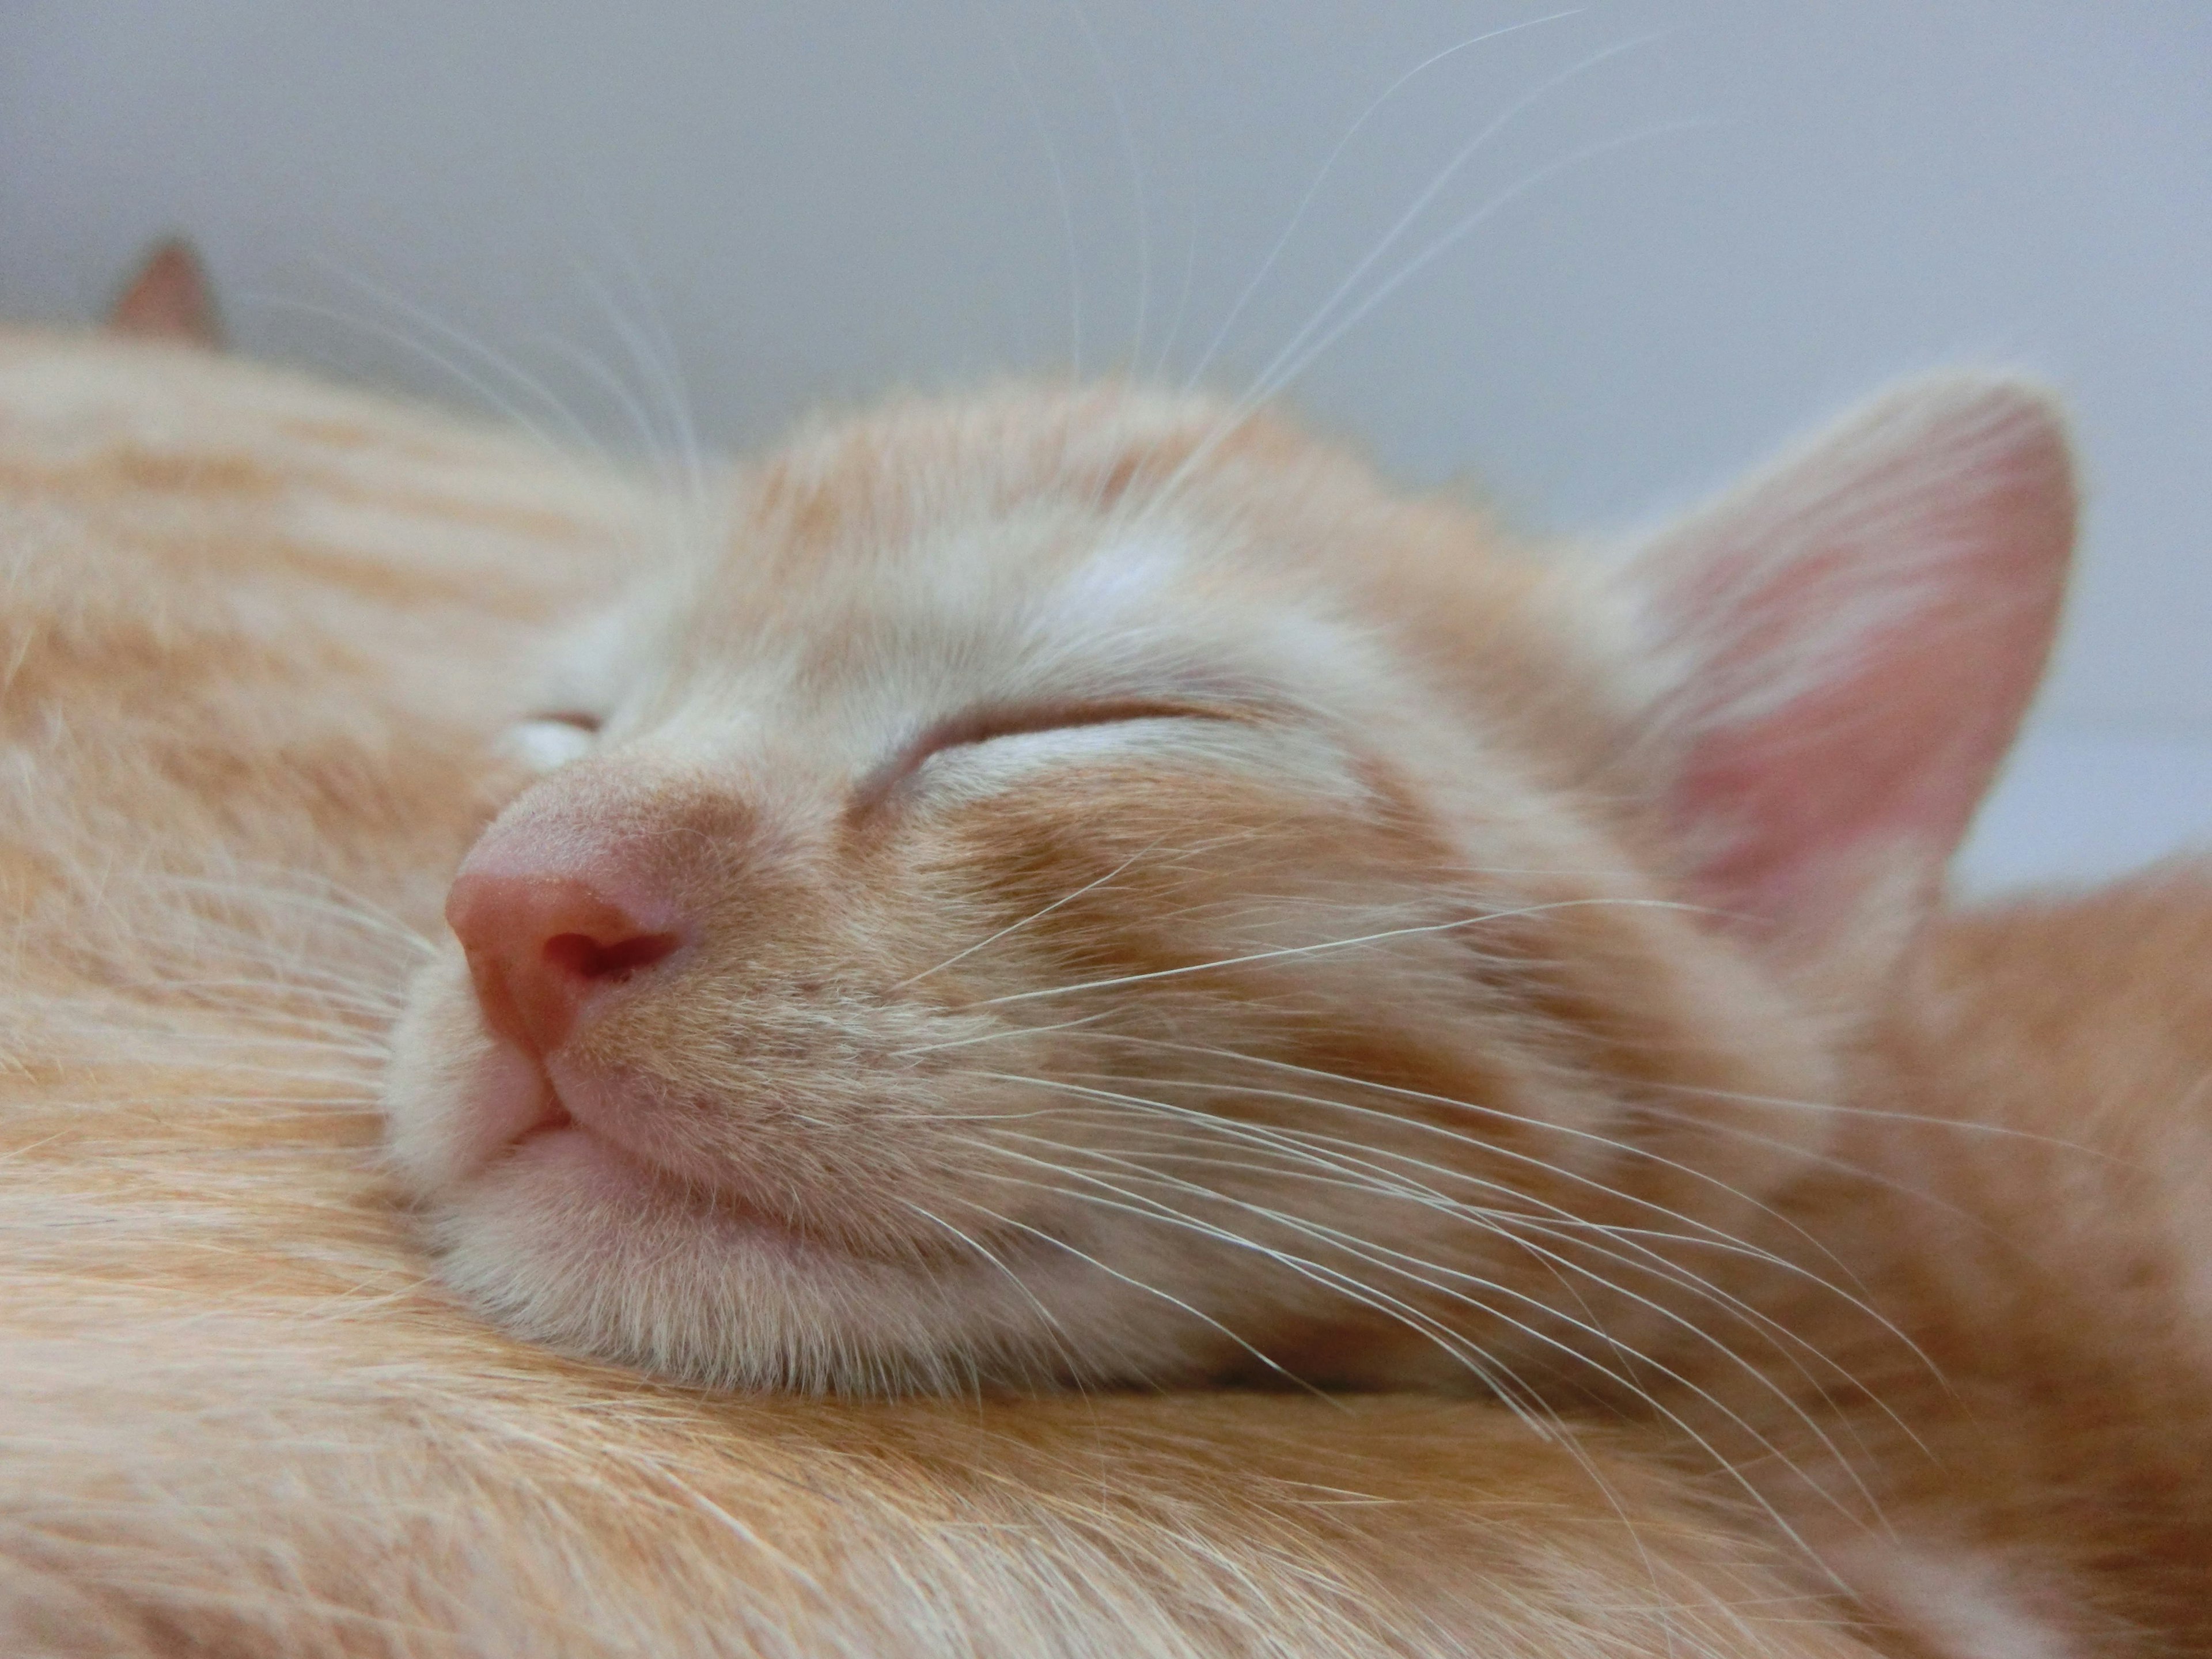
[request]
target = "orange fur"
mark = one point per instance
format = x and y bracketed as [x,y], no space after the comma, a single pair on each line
[2019,1423]
[883,1057]
[1138,902]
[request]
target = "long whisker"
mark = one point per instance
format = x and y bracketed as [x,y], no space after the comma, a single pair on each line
[665,363]
[1541,1419]
[1499,1114]
[1297,366]
[1058,1332]
[1310,1159]
[1034,915]
[1842,1109]
[1298,213]
[1367,1295]
[1429,193]
[1293,353]
[574,430]
[1151,1209]
[1060,193]
[1139,1284]
[1113,88]
[1004,1033]
[1511,1224]
[663,374]
[1331,944]
[1716,1235]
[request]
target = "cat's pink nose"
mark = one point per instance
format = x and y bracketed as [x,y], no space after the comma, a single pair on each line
[542,945]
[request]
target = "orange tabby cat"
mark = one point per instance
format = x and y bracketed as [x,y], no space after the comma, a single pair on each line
[262,639]
[1083,887]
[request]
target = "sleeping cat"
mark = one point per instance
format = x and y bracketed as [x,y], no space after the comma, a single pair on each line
[261,638]
[1070,886]
[1078,886]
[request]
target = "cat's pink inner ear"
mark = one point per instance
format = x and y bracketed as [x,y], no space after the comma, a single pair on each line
[1844,646]
[169,299]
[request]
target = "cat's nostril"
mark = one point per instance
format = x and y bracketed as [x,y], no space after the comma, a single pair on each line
[542,945]
[591,958]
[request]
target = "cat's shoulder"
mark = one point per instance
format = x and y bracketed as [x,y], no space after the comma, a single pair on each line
[2138,949]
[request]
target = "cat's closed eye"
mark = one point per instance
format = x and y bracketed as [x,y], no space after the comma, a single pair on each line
[973,727]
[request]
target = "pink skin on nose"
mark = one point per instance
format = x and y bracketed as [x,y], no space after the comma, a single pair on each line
[549,922]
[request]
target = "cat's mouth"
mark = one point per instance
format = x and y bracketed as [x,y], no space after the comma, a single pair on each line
[559,1144]
[523,1107]
[567,1132]
[551,1118]
[553,1115]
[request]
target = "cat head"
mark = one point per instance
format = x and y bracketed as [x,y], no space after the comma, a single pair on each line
[1074,886]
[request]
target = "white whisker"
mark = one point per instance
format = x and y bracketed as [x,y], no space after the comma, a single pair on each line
[1511,1225]
[1291,951]
[1139,1284]
[1515,1225]
[1499,1114]
[1035,915]
[1297,366]
[1451,1342]
[1328,163]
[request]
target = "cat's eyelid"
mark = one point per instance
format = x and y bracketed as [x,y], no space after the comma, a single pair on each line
[582,720]
[983,725]
[987,724]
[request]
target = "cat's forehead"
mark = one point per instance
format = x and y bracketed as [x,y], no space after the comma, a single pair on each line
[991,611]
[1031,553]
[1060,535]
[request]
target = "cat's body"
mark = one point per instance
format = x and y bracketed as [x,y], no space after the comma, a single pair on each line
[239,1419]
[2016,1454]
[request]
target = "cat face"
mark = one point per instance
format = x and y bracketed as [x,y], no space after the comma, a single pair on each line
[1068,889]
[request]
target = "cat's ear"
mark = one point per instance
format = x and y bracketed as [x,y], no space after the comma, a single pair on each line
[169,299]
[1838,653]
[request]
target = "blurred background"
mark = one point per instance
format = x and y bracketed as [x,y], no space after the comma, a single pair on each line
[1591,261]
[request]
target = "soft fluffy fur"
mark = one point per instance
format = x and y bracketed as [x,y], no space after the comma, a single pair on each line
[262,640]
[2009,1446]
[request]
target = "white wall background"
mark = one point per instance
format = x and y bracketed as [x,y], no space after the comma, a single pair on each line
[1693,226]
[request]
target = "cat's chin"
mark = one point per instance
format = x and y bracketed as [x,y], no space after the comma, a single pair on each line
[565,1236]
[569,1241]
